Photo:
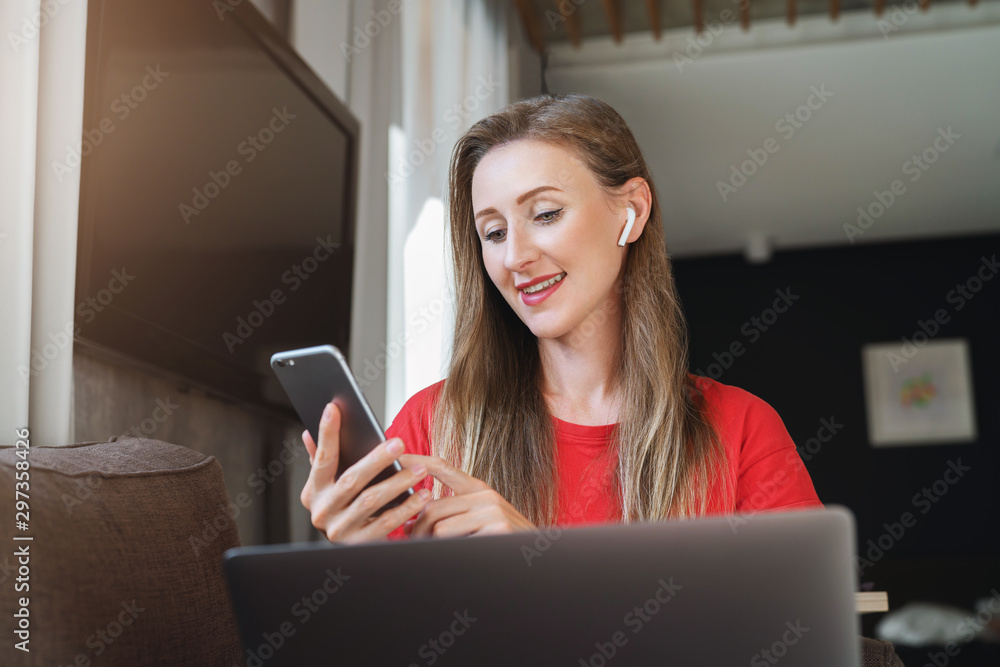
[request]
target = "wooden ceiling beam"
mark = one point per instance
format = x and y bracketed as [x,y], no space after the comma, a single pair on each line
[567,10]
[697,19]
[614,18]
[531,25]
[653,9]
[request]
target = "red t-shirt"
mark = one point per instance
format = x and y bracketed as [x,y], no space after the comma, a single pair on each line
[761,456]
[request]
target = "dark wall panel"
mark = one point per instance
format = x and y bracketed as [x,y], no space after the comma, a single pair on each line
[806,362]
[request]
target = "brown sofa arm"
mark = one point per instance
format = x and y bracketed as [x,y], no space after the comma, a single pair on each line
[878,653]
[126,557]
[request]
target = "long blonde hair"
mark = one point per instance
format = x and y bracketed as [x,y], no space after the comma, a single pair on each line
[491,419]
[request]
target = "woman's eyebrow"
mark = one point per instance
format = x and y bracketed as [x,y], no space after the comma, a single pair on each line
[520,200]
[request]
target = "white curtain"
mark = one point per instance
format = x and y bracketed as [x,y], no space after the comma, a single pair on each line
[454,71]
[41,119]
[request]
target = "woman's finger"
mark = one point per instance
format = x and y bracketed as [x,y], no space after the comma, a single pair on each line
[391,519]
[359,502]
[451,476]
[323,467]
[349,520]
[472,522]
[439,510]
[310,445]
[328,447]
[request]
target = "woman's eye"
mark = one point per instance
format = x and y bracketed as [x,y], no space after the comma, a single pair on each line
[552,215]
[492,238]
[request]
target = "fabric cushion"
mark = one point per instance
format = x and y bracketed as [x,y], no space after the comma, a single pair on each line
[878,653]
[126,560]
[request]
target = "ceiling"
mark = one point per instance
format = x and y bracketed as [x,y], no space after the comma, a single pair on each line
[555,21]
[701,113]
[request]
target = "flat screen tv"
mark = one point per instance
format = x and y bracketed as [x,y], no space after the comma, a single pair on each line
[218,196]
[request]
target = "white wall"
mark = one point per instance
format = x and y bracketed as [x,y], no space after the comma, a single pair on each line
[357,66]
[698,108]
[357,69]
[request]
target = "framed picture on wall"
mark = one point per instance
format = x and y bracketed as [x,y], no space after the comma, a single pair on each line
[919,394]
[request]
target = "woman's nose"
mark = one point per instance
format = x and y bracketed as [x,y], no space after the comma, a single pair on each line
[521,251]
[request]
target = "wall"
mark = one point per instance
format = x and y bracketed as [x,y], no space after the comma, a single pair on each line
[351,50]
[807,365]
[525,65]
[882,101]
[262,456]
[112,399]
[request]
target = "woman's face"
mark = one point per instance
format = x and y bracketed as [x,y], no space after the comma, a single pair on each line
[542,216]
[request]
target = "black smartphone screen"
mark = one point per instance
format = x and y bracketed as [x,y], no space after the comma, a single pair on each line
[314,376]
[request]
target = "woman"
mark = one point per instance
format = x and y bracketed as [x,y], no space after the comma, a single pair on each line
[568,399]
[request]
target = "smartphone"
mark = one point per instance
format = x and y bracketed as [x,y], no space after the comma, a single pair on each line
[312,377]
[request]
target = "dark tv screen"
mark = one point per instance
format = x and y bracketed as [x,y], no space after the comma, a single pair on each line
[217,196]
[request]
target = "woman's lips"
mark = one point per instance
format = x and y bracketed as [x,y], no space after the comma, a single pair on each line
[538,297]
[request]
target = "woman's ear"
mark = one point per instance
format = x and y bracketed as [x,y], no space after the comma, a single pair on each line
[635,194]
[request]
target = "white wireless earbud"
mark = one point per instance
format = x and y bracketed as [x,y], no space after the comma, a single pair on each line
[628,226]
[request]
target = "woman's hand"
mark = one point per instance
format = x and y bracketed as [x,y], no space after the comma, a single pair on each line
[342,508]
[475,509]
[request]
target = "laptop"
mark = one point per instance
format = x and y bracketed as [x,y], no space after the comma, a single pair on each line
[762,589]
